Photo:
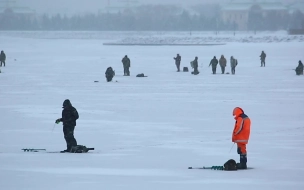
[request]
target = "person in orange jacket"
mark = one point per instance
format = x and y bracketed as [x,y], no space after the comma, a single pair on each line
[240,135]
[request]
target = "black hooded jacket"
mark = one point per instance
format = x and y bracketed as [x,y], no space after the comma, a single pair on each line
[300,66]
[213,62]
[69,114]
[2,56]
[109,72]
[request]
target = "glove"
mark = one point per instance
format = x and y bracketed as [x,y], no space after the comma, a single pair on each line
[57,121]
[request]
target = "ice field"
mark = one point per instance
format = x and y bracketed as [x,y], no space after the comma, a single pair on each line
[147,131]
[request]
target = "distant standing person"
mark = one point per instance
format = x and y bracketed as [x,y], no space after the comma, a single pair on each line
[126,65]
[194,64]
[214,63]
[233,64]
[263,58]
[223,63]
[2,58]
[177,59]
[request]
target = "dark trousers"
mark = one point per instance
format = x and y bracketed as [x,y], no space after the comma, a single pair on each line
[214,70]
[241,150]
[1,63]
[262,62]
[177,66]
[233,70]
[195,72]
[126,71]
[299,71]
[109,77]
[68,132]
[223,69]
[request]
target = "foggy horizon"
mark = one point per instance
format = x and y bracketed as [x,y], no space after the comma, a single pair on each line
[72,7]
[192,15]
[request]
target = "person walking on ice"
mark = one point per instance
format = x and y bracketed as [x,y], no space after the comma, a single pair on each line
[233,64]
[223,63]
[213,63]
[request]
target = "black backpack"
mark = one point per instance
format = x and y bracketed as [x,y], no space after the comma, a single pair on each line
[230,165]
[141,75]
[79,149]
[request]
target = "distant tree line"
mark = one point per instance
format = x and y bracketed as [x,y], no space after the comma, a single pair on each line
[150,18]
[275,21]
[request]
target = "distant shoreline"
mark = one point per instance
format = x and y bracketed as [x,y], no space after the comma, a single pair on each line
[139,44]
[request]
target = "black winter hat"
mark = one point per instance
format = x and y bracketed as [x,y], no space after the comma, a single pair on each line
[66,103]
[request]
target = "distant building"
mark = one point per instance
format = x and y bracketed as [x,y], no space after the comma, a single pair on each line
[297,6]
[237,12]
[296,24]
[121,6]
[10,11]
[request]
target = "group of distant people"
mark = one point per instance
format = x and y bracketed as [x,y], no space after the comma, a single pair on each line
[223,63]
[110,73]
[214,62]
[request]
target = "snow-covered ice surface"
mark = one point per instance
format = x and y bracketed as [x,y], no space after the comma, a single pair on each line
[147,131]
[164,38]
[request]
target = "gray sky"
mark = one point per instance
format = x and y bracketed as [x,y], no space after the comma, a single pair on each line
[83,6]
[70,7]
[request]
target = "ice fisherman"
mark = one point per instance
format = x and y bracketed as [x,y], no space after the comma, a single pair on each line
[69,117]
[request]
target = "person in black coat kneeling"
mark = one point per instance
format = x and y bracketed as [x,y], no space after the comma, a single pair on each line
[110,73]
[194,65]
[299,69]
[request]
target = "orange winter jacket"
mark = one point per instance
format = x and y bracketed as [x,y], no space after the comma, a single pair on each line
[241,131]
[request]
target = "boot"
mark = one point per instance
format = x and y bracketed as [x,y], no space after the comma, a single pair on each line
[241,166]
[68,149]
[243,162]
[63,151]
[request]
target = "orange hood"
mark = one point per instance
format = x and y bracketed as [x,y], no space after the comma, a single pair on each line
[237,111]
